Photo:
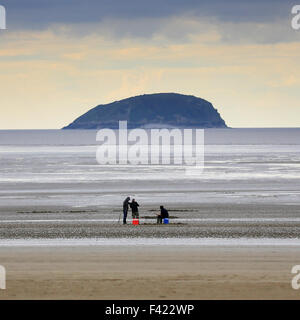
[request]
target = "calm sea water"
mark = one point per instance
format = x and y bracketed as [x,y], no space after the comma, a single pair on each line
[261,136]
[55,167]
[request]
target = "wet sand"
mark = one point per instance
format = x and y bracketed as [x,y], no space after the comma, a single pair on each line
[193,221]
[139,272]
[150,271]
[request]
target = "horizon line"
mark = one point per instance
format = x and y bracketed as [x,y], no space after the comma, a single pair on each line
[61,129]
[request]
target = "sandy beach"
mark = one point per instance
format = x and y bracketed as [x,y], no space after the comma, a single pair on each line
[149,272]
[207,252]
[234,232]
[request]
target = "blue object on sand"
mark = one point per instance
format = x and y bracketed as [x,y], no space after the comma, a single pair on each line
[166,220]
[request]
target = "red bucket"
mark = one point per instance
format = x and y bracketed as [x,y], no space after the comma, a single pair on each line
[135,222]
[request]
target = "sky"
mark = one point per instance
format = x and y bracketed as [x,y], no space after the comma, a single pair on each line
[60,58]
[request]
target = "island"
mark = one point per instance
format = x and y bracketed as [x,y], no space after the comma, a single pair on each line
[160,110]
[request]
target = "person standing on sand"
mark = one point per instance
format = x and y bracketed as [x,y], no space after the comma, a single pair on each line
[135,210]
[163,214]
[125,209]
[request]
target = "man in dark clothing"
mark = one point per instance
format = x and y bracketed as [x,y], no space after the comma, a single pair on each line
[163,214]
[135,210]
[125,209]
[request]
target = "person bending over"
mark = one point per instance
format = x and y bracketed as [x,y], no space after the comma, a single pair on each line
[163,214]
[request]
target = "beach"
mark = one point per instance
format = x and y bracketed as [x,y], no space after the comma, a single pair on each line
[226,221]
[150,272]
[226,252]
[234,230]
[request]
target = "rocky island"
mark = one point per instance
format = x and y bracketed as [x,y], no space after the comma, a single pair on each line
[161,110]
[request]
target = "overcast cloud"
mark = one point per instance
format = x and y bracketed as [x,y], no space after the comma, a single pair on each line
[258,21]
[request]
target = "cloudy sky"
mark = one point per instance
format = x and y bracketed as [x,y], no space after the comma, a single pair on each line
[59,58]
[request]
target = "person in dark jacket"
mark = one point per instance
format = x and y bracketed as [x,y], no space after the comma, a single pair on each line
[125,209]
[134,208]
[163,214]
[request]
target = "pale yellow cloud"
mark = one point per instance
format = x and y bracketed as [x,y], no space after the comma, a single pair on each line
[48,79]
